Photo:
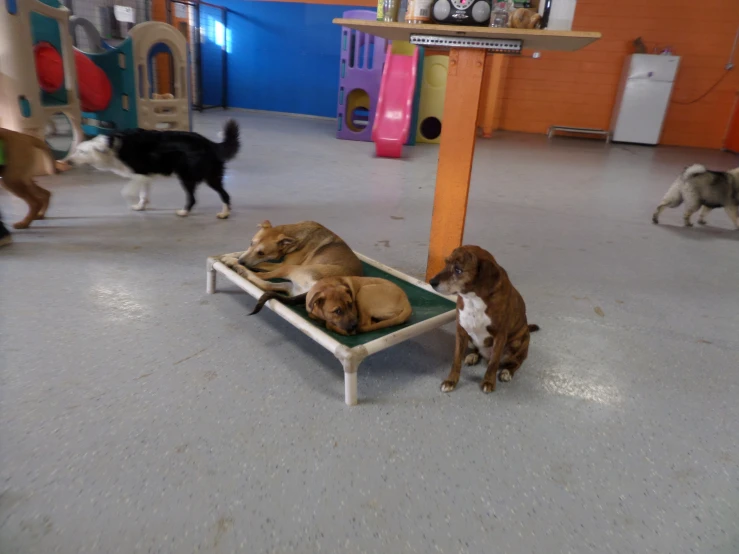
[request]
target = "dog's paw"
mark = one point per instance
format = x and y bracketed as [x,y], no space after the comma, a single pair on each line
[182,213]
[487,386]
[140,207]
[655,220]
[505,376]
[448,386]
[229,261]
[472,359]
[702,222]
[21,225]
[225,212]
[688,224]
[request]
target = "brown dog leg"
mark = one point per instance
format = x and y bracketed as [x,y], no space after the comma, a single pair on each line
[262,280]
[460,348]
[44,196]
[516,355]
[34,204]
[488,381]
[473,358]
[268,266]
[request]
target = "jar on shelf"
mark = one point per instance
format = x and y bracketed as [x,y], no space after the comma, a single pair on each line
[418,11]
[501,13]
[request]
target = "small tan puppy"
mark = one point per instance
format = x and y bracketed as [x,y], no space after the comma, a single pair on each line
[351,305]
[301,253]
[17,173]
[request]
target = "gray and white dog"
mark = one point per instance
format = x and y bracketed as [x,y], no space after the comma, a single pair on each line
[704,190]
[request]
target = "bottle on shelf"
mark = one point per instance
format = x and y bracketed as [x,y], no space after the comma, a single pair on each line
[545,14]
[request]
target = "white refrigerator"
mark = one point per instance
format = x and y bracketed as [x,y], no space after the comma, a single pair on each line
[643,97]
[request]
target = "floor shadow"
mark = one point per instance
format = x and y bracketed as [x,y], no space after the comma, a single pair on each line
[702,233]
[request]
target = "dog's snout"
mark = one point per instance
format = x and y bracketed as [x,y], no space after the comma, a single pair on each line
[434,282]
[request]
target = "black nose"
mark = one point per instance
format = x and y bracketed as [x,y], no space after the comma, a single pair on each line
[434,282]
[353,328]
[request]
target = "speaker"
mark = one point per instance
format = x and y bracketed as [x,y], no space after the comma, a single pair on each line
[462,12]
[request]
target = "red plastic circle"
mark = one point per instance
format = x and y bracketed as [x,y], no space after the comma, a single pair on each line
[95,88]
[49,67]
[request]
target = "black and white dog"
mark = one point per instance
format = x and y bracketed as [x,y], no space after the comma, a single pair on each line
[141,154]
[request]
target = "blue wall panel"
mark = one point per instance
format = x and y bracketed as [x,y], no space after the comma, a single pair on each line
[283,57]
[213,37]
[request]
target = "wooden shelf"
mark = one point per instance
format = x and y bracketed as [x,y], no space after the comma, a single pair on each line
[566,41]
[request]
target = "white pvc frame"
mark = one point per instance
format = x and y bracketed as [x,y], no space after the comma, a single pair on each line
[350,358]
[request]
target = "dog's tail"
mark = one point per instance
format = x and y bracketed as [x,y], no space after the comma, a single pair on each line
[289,300]
[231,143]
[533,327]
[693,170]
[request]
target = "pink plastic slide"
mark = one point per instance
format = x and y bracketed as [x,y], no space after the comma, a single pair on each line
[395,104]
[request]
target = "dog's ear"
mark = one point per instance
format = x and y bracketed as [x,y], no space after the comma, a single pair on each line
[102,143]
[284,241]
[316,301]
[348,290]
[487,271]
[265,224]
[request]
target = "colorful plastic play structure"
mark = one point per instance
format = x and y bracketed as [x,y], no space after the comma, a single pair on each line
[97,92]
[395,105]
[362,59]
[384,93]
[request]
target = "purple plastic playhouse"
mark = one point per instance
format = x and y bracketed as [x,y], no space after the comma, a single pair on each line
[362,59]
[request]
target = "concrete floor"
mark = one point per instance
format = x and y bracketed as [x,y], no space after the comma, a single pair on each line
[139,415]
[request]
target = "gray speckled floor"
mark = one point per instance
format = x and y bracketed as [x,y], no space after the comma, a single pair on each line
[139,415]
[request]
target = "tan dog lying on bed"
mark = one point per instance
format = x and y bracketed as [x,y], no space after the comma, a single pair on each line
[351,305]
[306,251]
[17,173]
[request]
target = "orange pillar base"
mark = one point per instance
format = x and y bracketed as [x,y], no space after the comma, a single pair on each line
[456,152]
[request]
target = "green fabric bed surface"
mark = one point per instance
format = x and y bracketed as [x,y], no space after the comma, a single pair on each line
[425,305]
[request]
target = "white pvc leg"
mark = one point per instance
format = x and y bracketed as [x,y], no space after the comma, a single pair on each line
[210,281]
[350,388]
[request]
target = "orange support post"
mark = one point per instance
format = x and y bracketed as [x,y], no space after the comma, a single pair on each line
[456,152]
[491,97]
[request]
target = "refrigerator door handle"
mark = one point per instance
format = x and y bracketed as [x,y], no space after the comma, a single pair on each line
[642,75]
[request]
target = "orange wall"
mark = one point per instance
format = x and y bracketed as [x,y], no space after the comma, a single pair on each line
[579,88]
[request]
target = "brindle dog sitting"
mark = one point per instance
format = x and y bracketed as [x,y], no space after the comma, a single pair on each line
[490,312]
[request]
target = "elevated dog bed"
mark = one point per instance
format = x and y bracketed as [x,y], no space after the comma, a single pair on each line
[430,310]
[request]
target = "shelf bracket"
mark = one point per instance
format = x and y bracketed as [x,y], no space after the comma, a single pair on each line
[494,45]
